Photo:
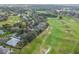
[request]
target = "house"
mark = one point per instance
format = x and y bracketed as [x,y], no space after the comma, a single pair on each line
[2,17]
[19,15]
[13,41]
[1,32]
[2,40]
[25,18]
[4,50]
[41,26]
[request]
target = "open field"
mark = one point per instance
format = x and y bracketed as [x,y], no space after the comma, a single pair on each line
[62,36]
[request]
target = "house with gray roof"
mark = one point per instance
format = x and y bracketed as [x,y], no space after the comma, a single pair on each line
[13,41]
[4,50]
[2,17]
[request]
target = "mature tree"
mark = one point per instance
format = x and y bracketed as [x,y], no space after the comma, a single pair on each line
[60,17]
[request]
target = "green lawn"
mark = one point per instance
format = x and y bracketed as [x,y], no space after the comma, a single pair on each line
[11,20]
[62,36]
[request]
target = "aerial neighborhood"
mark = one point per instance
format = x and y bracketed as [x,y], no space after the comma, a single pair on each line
[39,29]
[19,27]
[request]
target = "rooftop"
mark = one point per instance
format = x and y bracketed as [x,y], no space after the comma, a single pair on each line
[1,32]
[4,50]
[13,42]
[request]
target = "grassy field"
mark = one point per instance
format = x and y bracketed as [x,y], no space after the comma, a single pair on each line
[11,20]
[62,36]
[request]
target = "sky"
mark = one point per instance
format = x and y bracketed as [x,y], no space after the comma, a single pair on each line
[39,1]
